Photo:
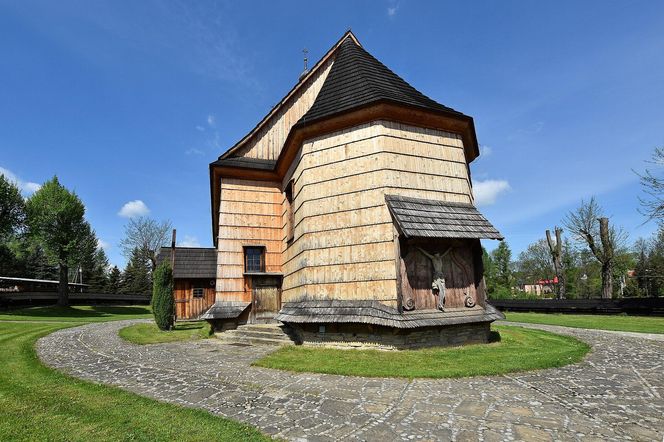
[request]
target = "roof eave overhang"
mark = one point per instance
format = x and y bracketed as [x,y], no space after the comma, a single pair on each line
[380,110]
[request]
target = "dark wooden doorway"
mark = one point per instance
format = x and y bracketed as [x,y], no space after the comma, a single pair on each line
[462,268]
[266,301]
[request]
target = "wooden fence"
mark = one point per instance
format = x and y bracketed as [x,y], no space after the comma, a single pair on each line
[632,306]
[42,298]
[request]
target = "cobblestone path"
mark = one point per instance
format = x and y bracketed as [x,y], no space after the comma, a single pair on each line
[614,394]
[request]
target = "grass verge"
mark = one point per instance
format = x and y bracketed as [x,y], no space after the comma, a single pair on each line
[639,324]
[519,349]
[149,333]
[39,403]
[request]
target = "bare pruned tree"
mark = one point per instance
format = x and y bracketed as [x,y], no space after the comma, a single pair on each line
[652,205]
[556,252]
[589,226]
[146,235]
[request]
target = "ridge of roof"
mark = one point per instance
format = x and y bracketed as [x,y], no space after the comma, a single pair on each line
[357,79]
[348,36]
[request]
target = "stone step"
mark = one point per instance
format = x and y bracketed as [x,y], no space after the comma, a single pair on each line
[256,334]
[279,328]
[259,334]
[255,341]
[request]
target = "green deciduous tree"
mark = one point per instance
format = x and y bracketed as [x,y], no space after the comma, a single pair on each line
[163,304]
[12,208]
[56,221]
[12,218]
[534,263]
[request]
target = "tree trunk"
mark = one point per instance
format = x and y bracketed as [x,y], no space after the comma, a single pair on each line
[607,279]
[63,286]
[556,252]
[607,261]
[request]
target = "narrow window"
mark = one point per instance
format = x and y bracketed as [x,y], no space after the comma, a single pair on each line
[290,222]
[198,292]
[254,259]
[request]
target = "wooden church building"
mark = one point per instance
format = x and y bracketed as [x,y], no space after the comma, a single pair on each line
[347,214]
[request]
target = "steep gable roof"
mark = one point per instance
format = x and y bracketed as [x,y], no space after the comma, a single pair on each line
[358,79]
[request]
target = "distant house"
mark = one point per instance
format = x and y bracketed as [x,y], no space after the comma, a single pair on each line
[194,277]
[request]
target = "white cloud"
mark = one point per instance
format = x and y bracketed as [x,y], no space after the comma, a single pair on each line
[103,244]
[200,128]
[392,11]
[211,120]
[26,187]
[194,151]
[486,192]
[485,150]
[133,209]
[189,241]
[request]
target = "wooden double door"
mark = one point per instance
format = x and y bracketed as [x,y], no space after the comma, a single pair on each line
[462,270]
[266,298]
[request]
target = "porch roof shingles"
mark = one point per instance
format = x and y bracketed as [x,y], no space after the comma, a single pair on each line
[422,218]
[191,262]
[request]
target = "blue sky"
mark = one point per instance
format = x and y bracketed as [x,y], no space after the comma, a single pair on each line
[128,102]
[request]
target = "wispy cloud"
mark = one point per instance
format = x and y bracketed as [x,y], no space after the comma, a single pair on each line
[103,244]
[200,128]
[486,192]
[211,120]
[194,151]
[134,209]
[485,150]
[392,9]
[26,187]
[189,241]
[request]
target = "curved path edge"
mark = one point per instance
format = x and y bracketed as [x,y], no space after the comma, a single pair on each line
[614,394]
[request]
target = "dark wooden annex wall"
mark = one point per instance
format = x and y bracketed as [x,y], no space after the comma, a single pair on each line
[462,268]
[186,305]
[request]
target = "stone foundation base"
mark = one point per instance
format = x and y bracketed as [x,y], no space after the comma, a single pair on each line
[386,338]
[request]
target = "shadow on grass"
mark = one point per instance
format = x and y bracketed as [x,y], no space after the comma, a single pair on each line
[75,312]
[494,336]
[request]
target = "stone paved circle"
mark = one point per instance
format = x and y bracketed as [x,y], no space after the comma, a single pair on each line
[614,394]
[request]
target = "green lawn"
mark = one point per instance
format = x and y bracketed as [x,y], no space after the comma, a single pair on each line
[642,324]
[38,403]
[149,333]
[79,313]
[519,349]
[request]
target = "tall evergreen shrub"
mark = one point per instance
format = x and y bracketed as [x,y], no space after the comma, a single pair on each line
[163,305]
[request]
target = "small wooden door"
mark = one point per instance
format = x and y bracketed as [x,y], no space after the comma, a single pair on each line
[266,298]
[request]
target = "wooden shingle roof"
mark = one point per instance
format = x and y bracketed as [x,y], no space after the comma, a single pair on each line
[191,262]
[358,79]
[422,218]
[225,310]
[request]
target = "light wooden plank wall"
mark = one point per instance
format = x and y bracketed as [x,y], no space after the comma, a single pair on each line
[268,141]
[343,246]
[249,214]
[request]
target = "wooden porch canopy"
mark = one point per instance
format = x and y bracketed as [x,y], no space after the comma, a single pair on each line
[422,218]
